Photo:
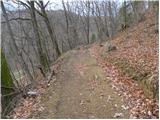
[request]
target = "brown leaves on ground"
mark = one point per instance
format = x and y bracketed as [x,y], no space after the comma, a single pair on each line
[27,106]
[140,106]
[138,46]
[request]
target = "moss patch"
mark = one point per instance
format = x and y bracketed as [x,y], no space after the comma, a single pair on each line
[150,87]
[146,80]
[128,70]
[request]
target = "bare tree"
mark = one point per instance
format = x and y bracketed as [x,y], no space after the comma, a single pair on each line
[42,55]
[88,20]
[49,28]
[14,45]
[67,24]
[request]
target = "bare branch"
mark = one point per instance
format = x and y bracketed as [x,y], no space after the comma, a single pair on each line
[16,19]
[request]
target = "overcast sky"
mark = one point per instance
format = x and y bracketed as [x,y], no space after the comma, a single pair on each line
[54,4]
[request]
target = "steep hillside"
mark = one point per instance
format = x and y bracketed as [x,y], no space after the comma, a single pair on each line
[131,62]
[137,54]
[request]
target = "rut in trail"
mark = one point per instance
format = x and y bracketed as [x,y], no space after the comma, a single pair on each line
[81,90]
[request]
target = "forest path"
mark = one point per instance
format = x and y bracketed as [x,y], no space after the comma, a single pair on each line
[81,90]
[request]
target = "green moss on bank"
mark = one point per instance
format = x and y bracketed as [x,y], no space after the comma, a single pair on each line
[145,80]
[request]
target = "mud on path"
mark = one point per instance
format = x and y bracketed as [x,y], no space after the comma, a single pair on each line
[81,90]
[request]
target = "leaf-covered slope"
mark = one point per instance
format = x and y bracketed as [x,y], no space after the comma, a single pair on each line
[137,54]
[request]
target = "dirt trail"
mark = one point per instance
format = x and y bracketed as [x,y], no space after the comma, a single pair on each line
[81,90]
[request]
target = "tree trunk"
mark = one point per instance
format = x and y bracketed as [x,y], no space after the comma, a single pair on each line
[125,14]
[7,86]
[13,41]
[67,23]
[88,21]
[50,30]
[42,56]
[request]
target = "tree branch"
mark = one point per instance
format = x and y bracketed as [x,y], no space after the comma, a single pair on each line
[24,4]
[16,19]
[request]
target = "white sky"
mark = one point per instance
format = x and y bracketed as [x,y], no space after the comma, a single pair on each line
[56,4]
[10,3]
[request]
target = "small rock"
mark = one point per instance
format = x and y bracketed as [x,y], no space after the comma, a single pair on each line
[41,109]
[91,117]
[125,107]
[32,94]
[132,117]
[109,98]
[116,105]
[104,105]
[149,113]
[81,102]
[118,115]
[96,77]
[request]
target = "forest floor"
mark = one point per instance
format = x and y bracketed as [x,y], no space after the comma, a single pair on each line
[93,82]
[86,88]
[81,91]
